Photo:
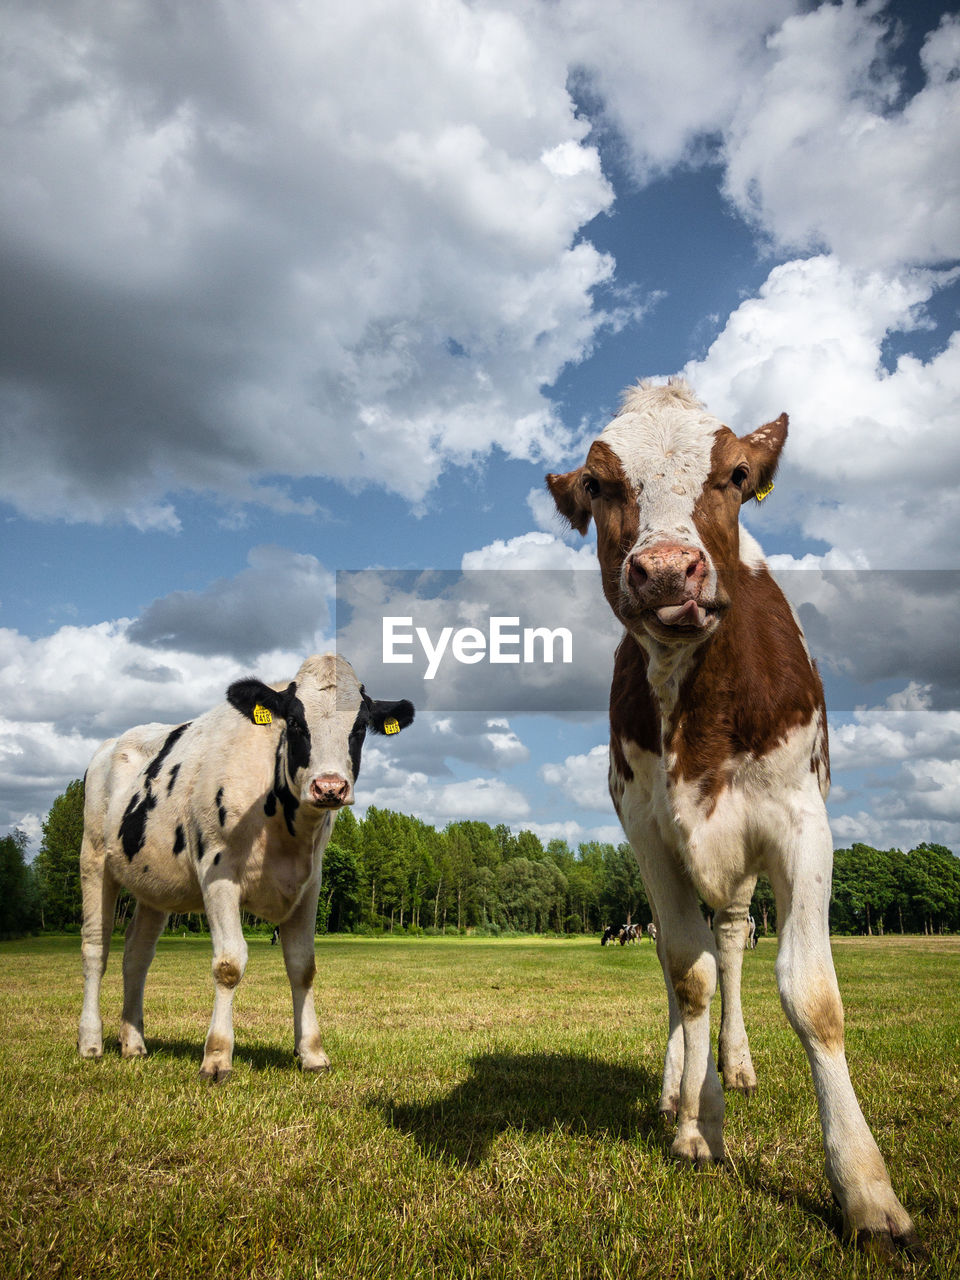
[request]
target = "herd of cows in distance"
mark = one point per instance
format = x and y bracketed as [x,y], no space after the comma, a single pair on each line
[719,768]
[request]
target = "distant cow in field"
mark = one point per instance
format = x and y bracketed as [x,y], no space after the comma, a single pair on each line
[652,932]
[229,812]
[609,933]
[630,933]
[751,933]
[719,764]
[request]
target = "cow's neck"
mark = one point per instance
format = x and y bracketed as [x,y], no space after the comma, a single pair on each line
[669,668]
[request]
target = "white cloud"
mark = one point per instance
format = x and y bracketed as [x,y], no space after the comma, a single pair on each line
[582,779]
[822,152]
[574,832]
[909,752]
[872,463]
[370,274]
[483,799]
[532,551]
[905,728]
[667,74]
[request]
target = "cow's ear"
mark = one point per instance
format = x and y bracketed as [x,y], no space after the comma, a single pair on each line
[247,695]
[763,448]
[567,492]
[389,717]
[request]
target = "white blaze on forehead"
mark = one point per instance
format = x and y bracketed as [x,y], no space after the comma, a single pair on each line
[330,692]
[664,441]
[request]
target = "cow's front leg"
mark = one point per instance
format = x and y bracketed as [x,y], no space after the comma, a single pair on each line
[801,876]
[690,965]
[99,903]
[297,938]
[139,948]
[221,899]
[730,929]
[669,1103]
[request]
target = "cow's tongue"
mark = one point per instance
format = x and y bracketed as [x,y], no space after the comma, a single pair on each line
[688,614]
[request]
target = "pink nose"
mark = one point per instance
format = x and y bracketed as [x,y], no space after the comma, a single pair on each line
[329,788]
[667,570]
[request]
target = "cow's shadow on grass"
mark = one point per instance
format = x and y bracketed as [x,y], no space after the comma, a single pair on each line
[258,1057]
[529,1092]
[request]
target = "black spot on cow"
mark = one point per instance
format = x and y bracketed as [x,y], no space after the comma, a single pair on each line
[172,778]
[270,804]
[133,824]
[152,771]
[221,811]
[200,845]
[216,858]
[355,741]
[179,840]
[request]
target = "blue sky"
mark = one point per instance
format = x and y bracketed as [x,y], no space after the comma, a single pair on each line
[290,291]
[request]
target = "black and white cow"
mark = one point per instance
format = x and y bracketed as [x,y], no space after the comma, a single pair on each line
[231,811]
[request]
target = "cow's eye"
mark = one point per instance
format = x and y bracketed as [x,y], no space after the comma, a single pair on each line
[592,486]
[739,475]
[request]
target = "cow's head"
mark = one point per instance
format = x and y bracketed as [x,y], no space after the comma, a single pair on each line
[664,484]
[324,715]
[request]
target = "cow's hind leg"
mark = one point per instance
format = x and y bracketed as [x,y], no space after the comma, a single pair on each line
[296,936]
[99,903]
[221,900]
[730,929]
[801,874]
[138,952]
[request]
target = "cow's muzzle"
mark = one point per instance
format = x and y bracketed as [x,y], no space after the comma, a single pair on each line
[665,582]
[330,791]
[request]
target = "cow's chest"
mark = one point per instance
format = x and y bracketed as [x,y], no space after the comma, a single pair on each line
[278,868]
[694,822]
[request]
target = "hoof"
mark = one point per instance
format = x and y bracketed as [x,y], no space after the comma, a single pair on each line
[92,1052]
[133,1051]
[693,1148]
[740,1082]
[885,1245]
[216,1075]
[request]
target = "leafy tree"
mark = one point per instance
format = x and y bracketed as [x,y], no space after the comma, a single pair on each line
[624,897]
[763,905]
[19,900]
[342,873]
[58,862]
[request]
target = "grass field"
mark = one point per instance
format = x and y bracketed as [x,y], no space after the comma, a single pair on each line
[491,1112]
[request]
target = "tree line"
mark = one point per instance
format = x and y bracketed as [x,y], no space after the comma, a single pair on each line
[389,872]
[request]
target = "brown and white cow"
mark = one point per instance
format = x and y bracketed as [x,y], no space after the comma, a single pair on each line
[718,762]
[229,812]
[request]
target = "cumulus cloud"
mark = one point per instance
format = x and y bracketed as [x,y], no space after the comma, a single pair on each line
[369,275]
[824,152]
[582,779]
[666,75]
[872,463]
[906,754]
[279,601]
[494,639]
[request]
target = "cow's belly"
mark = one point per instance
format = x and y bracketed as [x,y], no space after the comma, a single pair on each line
[157,876]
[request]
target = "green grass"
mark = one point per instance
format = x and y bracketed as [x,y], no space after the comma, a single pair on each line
[491,1112]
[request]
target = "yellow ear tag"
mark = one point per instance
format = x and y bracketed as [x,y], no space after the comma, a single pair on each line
[261,715]
[391,726]
[762,493]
